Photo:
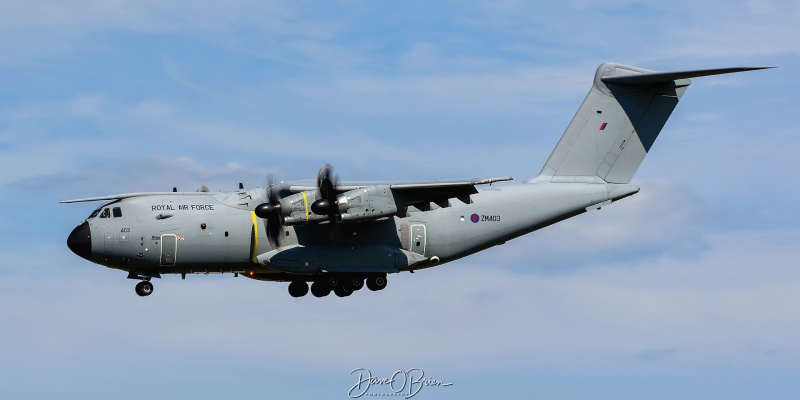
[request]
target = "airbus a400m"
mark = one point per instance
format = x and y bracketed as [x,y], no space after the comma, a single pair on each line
[339,237]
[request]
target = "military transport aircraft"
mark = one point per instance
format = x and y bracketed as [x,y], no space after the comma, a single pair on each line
[340,236]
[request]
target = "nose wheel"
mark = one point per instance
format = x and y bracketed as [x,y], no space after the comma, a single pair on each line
[144,288]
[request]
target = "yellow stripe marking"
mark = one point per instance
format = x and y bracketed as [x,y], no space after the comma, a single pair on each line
[305,202]
[254,255]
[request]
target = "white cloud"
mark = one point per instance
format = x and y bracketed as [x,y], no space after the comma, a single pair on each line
[652,283]
[508,92]
[655,31]
[37,31]
[43,29]
[663,220]
[146,16]
[734,306]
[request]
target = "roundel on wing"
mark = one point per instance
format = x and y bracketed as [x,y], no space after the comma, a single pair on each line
[475,218]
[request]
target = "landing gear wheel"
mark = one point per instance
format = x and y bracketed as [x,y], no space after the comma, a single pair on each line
[342,291]
[376,283]
[354,284]
[144,288]
[333,281]
[298,288]
[320,289]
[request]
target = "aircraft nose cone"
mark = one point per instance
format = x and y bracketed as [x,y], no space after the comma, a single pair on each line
[80,240]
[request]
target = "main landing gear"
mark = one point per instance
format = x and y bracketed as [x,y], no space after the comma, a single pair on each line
[298,288]
[342,286]
[144,288]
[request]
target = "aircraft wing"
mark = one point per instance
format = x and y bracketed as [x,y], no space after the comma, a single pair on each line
[422,185]
[129,195]
[470,183]
[416,193]
[422,194]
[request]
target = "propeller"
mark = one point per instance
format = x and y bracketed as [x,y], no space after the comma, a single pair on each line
[271,211]
[326,186]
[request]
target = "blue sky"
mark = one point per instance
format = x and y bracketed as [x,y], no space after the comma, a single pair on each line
[688,289]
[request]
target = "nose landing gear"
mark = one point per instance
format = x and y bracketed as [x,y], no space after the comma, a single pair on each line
[144,288]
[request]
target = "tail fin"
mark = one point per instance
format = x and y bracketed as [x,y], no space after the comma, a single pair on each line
[617,123]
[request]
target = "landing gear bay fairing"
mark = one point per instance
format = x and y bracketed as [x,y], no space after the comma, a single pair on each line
[340,237]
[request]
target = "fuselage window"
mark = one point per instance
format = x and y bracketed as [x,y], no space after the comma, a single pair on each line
[117,212]
[95,213]
[105,213]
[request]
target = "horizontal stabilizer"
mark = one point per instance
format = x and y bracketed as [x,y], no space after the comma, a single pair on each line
[649,78]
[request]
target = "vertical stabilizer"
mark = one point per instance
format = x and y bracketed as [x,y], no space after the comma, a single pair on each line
[617,123]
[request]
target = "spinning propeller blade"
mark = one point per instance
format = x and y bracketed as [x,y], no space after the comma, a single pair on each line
[272,212]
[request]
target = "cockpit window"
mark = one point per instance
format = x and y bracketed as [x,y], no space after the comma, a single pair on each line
[105,211]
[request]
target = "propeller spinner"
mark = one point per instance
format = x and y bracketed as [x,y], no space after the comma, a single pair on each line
[326,186]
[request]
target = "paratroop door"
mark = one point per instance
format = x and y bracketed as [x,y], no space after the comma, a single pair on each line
[169,248]
[418,238]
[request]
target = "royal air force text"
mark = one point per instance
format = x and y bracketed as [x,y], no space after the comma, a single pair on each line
[183,207]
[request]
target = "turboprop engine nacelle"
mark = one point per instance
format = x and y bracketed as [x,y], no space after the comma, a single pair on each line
[362,204]
[367,203]
[297,209]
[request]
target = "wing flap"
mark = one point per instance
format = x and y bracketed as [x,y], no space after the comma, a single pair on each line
[437,185]
[440,192]
[346,187]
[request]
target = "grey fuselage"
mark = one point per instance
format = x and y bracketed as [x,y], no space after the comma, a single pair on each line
[217,232]
[389,228]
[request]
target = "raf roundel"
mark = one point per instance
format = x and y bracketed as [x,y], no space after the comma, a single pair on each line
[475,218]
